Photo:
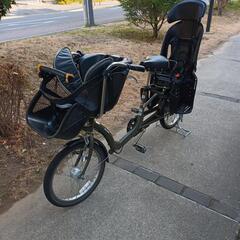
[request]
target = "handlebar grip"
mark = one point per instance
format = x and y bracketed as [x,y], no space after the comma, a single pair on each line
[55,72]
[137,68]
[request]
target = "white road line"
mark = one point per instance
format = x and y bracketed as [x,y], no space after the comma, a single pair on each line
[36,14]
[41,34]
[31,21]
[11,17]
[19,28]
[48,22]
[28,25]
[76,10]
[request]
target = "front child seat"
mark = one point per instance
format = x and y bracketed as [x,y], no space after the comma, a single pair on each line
[66,101]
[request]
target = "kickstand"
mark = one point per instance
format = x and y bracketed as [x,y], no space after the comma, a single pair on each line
[182,131]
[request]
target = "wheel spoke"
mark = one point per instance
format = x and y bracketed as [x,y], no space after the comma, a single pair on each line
[68,184]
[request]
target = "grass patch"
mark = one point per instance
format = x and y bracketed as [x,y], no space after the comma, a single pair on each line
[63,2]
[123,31]
[234,5]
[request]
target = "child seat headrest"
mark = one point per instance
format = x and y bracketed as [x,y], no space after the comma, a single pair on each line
[190,10]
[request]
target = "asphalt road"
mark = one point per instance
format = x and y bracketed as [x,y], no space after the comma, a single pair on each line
[41,24]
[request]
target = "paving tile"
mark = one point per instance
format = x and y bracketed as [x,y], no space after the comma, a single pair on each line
[146,174]
[196,196]
[170,184]
[126,165]
[224,209]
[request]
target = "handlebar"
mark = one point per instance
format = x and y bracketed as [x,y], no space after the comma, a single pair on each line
[42,70]
[125,63]
[137,68]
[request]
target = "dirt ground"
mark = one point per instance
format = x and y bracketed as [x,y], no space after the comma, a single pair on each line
[22,165]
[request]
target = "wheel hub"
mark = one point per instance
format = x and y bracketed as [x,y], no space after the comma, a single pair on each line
[75,173]
[171,119]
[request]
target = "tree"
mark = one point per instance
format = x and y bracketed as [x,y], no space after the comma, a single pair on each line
[5,5]
[143,13]
[221,4]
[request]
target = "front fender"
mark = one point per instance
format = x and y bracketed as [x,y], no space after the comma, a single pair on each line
[101,145]
[96,141]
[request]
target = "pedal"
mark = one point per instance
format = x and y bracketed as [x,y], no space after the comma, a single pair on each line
[140,148]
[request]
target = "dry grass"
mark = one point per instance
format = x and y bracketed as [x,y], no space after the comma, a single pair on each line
[11,98]
[112,39]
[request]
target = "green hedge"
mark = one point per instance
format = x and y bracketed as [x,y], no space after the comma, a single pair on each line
[234,5]
[5,5]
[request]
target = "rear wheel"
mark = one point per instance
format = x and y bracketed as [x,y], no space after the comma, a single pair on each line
[65,184]
[169,120]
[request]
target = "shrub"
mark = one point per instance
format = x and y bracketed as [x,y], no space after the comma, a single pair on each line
[144,13]
[5,5]
[234,5]
[11,98]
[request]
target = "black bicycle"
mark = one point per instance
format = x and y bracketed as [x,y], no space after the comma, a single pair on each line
[80,88]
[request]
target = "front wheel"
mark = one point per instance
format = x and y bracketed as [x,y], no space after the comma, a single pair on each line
[169,120]
[65,183]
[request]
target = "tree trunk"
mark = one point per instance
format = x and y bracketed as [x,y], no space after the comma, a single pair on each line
[155,30]
[1,9]
[220,7]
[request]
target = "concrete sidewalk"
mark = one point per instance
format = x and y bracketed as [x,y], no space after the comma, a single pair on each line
[123,207]
[209,159]
[183,189]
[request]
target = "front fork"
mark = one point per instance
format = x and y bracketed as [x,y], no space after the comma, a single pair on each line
[89,144]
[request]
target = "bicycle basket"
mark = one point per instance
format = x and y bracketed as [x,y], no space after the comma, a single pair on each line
[52,114]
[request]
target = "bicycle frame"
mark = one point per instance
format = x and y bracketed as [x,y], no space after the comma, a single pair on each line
[141,124]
